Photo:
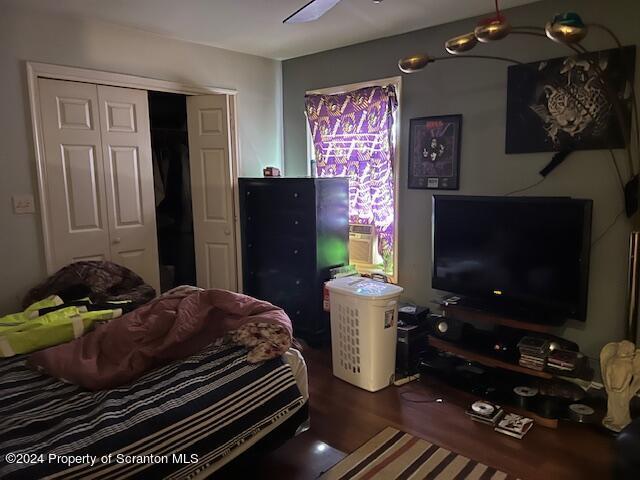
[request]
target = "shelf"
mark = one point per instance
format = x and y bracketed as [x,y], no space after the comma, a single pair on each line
[486,360]
[467,314]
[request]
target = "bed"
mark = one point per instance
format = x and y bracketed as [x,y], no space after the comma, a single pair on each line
[184,420]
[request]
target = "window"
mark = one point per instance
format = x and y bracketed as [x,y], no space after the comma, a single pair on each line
[352,131]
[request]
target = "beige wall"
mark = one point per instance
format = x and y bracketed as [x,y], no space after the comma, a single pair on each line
[477,90]
[101,46]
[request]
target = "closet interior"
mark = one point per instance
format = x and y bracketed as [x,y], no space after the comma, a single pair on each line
[172,189]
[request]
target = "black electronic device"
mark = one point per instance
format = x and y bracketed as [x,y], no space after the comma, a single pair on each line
[518,254]
[468,376]
[503,342]
[412,314]
[412,341]
[446,328]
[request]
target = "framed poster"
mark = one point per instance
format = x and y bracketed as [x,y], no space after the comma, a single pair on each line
[564,103]
[434,152]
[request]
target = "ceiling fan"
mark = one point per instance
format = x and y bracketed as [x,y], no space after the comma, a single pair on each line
[313,10]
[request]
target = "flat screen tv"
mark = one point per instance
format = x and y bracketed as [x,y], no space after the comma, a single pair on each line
[528,254]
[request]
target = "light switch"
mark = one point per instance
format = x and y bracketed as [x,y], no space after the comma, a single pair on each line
[23,204]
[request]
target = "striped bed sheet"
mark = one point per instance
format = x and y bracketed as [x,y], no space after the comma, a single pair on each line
[177,421]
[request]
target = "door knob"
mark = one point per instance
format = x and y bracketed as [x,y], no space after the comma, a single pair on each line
[117,240]
[227,231]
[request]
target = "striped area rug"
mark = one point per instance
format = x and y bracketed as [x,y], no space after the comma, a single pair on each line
[396,455]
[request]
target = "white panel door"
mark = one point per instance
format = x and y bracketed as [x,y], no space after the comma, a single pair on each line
[212,192]
[76,206]
[128,170]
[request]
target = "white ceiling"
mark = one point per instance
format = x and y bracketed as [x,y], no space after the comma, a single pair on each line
[255,26]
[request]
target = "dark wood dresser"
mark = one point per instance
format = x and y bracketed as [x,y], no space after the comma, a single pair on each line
[294,230]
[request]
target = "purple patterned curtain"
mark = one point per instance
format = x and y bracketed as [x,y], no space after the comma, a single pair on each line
[353,136]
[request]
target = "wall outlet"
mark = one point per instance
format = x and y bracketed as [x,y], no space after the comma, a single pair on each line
[23,204]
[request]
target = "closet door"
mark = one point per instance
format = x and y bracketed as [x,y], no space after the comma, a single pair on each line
[76,202]
[128,170]
[211,191]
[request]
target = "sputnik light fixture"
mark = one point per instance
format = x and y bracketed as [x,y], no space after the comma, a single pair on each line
[566,29]
[418,62]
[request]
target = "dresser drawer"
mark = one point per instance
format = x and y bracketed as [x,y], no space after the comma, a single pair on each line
[279,222]
[266,197]
[284,254]
[277,285]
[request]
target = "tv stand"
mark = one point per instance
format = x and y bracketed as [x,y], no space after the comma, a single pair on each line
[468,312]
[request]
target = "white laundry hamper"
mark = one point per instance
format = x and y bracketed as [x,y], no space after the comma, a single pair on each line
[364,323]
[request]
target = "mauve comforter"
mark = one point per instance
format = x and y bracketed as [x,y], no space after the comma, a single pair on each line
[171,327]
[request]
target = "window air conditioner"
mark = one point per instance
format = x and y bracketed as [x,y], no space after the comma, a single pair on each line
[363,244]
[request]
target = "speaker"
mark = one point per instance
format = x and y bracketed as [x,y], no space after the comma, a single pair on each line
[412,341]
[446,328]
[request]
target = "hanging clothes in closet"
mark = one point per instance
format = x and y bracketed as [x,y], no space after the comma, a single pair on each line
[172,185]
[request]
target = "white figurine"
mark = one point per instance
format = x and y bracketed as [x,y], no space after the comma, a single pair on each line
[620,365]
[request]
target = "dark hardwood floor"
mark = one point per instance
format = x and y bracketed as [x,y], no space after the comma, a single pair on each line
[343,417]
